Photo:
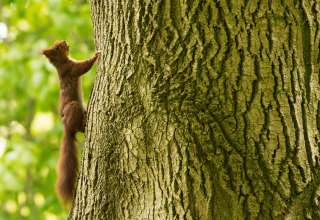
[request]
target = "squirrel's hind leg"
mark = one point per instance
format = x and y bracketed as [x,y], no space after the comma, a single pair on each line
[73,116]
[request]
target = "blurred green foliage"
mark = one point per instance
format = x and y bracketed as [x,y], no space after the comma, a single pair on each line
[30,128]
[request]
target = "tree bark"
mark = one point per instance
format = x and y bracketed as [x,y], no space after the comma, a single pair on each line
[203,109]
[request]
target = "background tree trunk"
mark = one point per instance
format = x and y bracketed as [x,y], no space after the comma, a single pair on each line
[203,109]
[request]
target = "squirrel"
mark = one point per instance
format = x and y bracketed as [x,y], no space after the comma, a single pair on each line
[72,112]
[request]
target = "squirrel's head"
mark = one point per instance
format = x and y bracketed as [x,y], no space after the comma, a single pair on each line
[59,50]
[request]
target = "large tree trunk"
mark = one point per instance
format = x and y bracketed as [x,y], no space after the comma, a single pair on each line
[203,110]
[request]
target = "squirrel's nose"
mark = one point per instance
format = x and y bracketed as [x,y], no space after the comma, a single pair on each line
[43,51]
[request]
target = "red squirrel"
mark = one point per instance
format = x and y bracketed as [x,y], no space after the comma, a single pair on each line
[72,113]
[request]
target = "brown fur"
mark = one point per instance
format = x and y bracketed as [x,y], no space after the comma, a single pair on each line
[72,113]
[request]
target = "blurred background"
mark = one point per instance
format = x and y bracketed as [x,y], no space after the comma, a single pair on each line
[30,127]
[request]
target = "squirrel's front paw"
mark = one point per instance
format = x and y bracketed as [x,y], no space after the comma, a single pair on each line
[97,54]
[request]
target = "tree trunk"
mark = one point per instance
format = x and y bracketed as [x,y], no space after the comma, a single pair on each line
[203,109]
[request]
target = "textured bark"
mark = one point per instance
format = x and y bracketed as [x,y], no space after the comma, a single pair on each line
[203,110]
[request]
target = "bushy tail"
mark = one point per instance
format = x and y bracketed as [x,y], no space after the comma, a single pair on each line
[67,167]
